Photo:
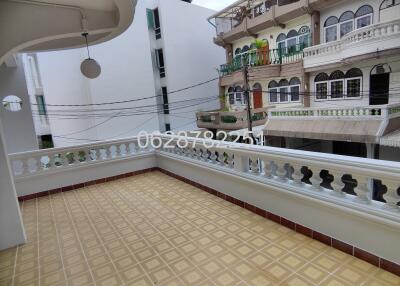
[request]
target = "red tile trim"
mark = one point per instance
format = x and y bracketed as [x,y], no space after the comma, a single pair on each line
[361,254]
[82,185]
[342,246]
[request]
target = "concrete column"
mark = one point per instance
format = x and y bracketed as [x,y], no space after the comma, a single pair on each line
[315,28]
[11,227]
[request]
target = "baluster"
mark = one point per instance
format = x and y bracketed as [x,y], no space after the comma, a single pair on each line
[198,154]
[281,171]
[337,184]
[24,166]
[316,179]
[213,157]
[254,167]
[37,164]
[52,162]
[297,175]
[230,160]
[362,190]
[221,158]
[205,155]
[268,169]
[392,197]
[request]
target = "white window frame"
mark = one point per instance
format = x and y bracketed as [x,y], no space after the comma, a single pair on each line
[361,87]
[290,92]
[234,98]
[337,33]
[329,89]
[370,16]
[277,94]
[340,27]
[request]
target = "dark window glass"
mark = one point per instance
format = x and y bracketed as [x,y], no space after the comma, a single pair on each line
[331,21]
[273,95]
[295,81]
[283,94]
[354,73]
[41,105]
[354,87]
[272,84]
[346,16]
[295,93]
[364,10]
[336,75]
[321,77]
[165,100]
[322,90]
[167,127]
[337,88]
[157,27]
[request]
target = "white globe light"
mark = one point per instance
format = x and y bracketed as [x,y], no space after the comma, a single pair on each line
[90,68]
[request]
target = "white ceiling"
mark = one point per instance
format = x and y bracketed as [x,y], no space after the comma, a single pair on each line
[103,5]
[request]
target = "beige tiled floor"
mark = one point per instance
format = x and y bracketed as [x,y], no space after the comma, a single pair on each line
[155,230]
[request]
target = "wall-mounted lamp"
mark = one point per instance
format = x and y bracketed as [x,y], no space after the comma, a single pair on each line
[90,68]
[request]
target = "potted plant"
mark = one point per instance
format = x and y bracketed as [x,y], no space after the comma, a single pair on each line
[262,47]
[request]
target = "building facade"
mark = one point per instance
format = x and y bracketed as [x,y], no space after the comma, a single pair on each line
[328,74]
[153,59]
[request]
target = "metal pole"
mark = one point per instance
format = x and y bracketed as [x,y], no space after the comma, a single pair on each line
[247,96]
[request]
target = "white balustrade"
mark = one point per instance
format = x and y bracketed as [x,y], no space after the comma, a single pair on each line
[284,168]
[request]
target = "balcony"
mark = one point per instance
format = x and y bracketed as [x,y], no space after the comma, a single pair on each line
[360,44]
[241,20]
[267,215]
[263,64]
[230,120]
[369,124]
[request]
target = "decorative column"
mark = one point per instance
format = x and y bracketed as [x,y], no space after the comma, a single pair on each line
[12,231]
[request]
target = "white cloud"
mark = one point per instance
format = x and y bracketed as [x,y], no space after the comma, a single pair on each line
[214,4]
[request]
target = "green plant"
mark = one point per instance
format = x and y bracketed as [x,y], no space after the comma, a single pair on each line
[229,119]
[260,44]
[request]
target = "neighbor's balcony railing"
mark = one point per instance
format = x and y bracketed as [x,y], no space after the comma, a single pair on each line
[230,120]
[255,58]
[370,39]
[377,112]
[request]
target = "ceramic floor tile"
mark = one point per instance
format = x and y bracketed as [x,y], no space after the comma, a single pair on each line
[152,229]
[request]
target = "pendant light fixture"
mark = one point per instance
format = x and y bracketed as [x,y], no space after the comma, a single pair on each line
[90,68]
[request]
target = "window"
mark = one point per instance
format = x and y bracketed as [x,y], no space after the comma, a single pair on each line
[364,16]
[281,41]
[321,86]
[165,100]
[338,85]
[346,23]
[337,28]
[304,37]
[295,89]
[231,95]
[167,127]
[239,98]
[294,41]
[41,105]
[283,90]
[153,22]
[330,28]
[354,82]
[160,62]
[389,4]
[273,91]
[157,26]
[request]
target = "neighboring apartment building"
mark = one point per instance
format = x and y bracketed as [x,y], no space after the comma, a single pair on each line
[167,48]
[331,78]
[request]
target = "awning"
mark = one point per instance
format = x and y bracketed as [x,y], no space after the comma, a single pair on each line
[362,131]
[391,139]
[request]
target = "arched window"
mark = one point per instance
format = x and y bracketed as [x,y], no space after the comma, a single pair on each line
[239,97]
[245,49]
[283,90]
[231,95]
[281,37]
[238,51]
[321,86]
[283,82]
[291,39]
[354,73]
[336,75]
[331,29]
[336,82]
[294,84]
[389,4]
[321,77]
[281,41]
[273,91]
[354,79]
[346,23]
[364,16]
[304,36]
[381,69]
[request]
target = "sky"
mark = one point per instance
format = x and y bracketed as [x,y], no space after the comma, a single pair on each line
[213,4]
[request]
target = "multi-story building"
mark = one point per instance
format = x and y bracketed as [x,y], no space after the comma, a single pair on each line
[329,77]
[153,59]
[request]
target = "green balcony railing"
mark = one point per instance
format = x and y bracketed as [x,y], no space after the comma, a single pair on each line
[255,58]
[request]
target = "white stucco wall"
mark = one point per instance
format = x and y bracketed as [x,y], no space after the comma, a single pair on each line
[19,131]
[128,73]
[191,57]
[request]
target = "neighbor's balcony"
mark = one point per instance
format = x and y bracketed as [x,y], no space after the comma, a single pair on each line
[362,42]
[230,120]
[262,64]
[240,19]
[290,186]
